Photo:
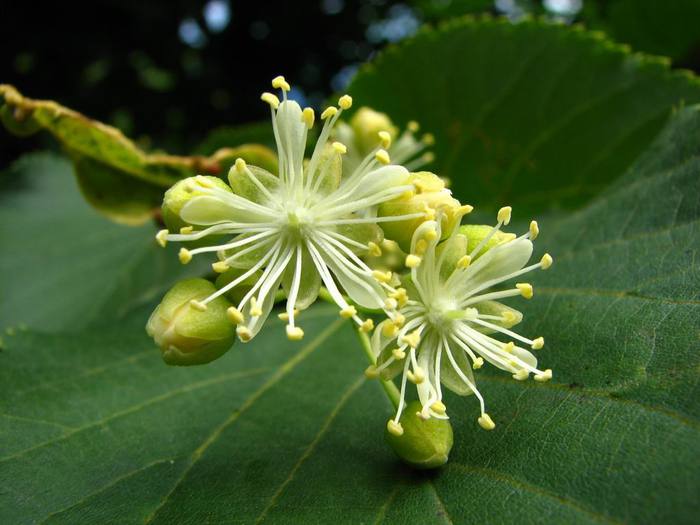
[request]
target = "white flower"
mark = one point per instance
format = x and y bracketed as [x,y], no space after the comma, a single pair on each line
[308,225]
[448,311]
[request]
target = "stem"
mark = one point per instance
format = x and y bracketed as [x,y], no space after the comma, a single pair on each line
[389,387]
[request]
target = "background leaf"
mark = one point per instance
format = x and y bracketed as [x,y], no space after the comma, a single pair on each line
[95,428]
[533,114]
[116,176]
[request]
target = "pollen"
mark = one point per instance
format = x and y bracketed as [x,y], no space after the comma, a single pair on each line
[544,376]
[412,339]
[546,261]
[280,83]
[525,290]
[509,347]
[367,326]
[308,117]
[413,126]
[428,139]
[389,329]
[398,354]
[486,422]
[329,112]
[385,139]
[504,214]
[255,310]
[345,102]
[439,407]
[240,165]
[382,277]
[219,267]
[465,209]
[339,147]
[373,249]
[198,305]
[270,99]
[235,315]
[184,255]
[162,237]
[478,363]
[412,261]
[294,333]
[521,375]
[244,333]
[382,157]
[186,230]
[537,343]
[534,230]
[348,312]
[394,428]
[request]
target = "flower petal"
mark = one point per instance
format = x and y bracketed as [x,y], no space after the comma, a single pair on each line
[309,284]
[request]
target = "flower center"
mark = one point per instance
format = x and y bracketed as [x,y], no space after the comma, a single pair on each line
[298,220]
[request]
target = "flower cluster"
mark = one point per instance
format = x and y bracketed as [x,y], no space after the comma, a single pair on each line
[356,218]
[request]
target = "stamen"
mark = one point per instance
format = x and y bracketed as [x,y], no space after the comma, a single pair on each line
[161,237]
[294,333]
[546,261]
[184,255]
[486,422]
[525,290]
[280,83]
[235,315]
[197,305]
[270,99]
[534,230]
[504,215]
[345,102]
[382,157]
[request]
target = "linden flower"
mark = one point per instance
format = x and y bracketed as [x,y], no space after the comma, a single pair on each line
[308,225]
[448,309]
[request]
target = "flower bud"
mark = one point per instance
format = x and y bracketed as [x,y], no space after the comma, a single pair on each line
[188,334]
[182,191]
[430,197]
[477,232]
[424,444]
[366,125]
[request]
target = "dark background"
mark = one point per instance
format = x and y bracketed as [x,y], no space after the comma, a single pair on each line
[168,72]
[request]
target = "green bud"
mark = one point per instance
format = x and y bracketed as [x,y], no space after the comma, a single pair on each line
[424,444]
[188,335]
[477,232]
[430,197]
[366,125]
[176,197]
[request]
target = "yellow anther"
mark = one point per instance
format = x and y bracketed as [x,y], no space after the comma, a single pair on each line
[421,246]
[184,255]
[398,354]
[465,209]
[339,147]
[240,165]
[544,376]
[417,376]
[439,407]
[244,333]
[486,422]
[412,261]
[371,372]
[198,305]
[521,375]
[412,339]
[235,315]
[255,310]
[399,318]
[537,343]
[546,261]
[294,333]
[504,214]
[280,83]
[348,312]
[534,230]
[431,234]
[162,237]
[428,139]
[367,326]
[429,213]
[284,316]
[464,262]
[382,277]
[385,139]
[402,298]
[390,303]
[510,318]
[428,157]
[382,157]
[345,102]
[308,117]
[329,112]
[525,290]
[478,363]
[389,329]
[413,126]
[270,99]
[373,249]
[509,347]
[423,415]
[394,428]
[186,229]
[219,266]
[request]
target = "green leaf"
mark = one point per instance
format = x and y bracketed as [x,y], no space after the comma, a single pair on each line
[532,114]
[116,176]
[94,428]
[63,265]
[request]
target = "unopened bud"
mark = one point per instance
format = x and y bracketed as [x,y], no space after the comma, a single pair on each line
[477,233]
[366,125]
[424,444]
[186,333]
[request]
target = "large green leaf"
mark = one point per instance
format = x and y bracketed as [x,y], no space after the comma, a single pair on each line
[94,428]
[62,265]
[531,114]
